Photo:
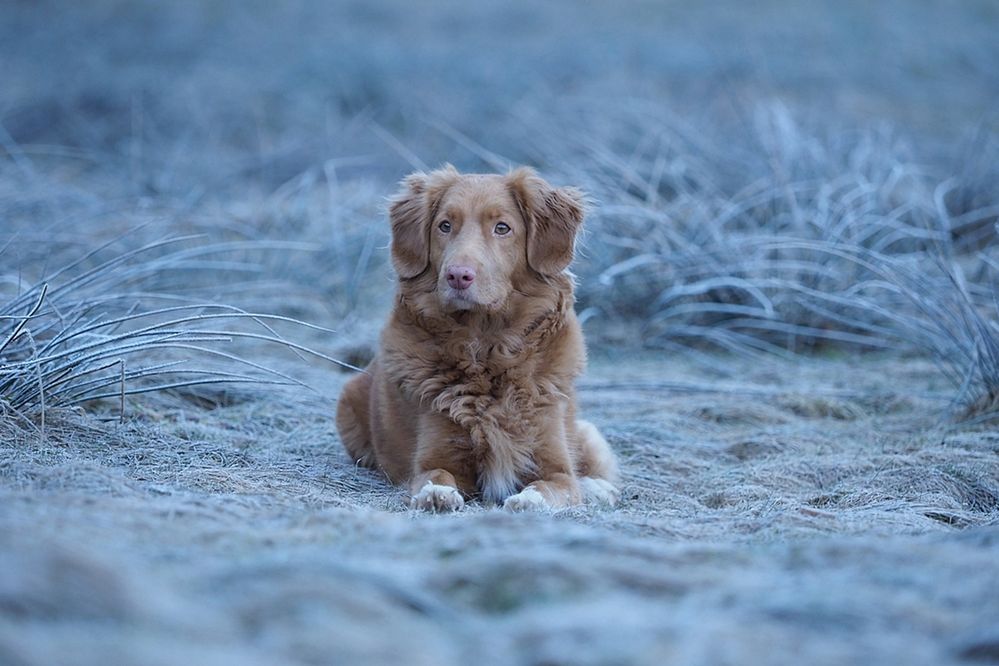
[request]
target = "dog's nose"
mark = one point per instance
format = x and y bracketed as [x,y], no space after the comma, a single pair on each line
[460,277]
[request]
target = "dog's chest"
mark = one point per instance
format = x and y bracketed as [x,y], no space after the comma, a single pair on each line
[496,399]
[496,393]
[490,373]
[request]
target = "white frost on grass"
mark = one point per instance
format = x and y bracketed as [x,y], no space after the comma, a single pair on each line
[812,510]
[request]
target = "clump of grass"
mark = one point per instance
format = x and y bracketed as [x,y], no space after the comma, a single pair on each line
[105,332]
[970,199]
[930,305]
[686,218]
[783,239]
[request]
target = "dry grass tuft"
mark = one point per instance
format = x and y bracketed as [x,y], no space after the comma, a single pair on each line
[81,335]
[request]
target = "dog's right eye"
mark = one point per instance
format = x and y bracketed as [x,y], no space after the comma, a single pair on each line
[445,226]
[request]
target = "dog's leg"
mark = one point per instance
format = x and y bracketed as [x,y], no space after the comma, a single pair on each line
[557,487]
[435,491]
[442,473]
[353,420]
[597,466]
[556,491]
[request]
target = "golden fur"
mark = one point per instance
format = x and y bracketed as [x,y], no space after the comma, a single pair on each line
[471,391]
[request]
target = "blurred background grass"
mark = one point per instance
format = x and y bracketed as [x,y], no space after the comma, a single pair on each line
[770,177]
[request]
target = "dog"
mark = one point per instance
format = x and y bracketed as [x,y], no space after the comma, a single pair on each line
[471,392]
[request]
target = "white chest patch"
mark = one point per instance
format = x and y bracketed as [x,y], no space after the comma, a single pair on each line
[498,480]
[505,469]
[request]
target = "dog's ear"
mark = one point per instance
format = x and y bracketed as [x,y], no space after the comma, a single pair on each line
[552,215]
[410,213]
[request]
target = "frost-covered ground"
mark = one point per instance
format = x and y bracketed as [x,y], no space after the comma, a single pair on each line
[792,512]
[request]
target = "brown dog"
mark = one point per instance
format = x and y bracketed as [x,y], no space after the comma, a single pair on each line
[471,392]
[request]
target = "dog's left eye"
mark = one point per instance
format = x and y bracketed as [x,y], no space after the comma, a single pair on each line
[502,229]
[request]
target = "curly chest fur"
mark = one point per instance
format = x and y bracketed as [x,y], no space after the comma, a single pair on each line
[482,387]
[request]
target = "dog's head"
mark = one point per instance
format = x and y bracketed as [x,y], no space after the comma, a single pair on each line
[474,239]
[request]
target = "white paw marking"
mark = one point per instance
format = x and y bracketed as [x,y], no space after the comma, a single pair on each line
[599,491]
[527,499]
[437,498]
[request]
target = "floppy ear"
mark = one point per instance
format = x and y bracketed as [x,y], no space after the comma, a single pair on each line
[408,215]
[410,212]
[552,215]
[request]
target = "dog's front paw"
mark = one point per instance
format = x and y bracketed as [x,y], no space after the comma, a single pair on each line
[599,491]
[438,499]
[527,499]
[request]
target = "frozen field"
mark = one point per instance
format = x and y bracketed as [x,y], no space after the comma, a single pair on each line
[809,512]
